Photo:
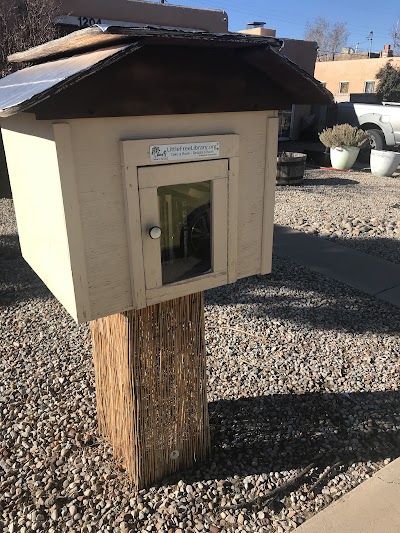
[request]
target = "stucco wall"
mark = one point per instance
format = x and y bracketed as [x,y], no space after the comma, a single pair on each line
[148,12]
[213,20]
[355,71]
[264,32]
[303,53]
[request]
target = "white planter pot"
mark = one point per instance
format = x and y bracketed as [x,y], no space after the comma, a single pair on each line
[344,157]
[384,163]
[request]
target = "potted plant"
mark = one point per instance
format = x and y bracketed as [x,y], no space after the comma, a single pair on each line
[344,142]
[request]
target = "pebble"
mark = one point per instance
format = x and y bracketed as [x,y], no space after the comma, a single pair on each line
[354,208]
[316,370]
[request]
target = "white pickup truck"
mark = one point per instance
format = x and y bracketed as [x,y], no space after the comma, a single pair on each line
[382,121]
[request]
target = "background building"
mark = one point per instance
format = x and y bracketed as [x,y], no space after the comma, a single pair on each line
[353,73]
[304,54]
[88,12]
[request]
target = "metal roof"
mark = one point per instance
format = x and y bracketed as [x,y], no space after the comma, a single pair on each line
[26,87]
[88,39]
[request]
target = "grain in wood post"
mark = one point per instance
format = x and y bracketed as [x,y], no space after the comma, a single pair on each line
[150,374]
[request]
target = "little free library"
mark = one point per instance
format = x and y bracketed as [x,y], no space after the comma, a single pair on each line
[142,163]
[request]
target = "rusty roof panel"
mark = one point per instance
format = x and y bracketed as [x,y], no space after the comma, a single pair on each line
[88,39]
[32,85]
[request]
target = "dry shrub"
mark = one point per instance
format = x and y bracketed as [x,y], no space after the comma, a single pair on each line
[343,135]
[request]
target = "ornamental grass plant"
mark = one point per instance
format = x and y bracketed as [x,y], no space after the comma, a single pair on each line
[343,135]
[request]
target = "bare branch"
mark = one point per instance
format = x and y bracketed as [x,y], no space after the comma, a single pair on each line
[338,36]
[396,37]
[330,38]
[24,27]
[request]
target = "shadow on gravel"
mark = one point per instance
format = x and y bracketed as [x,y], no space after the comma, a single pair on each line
[329,182]
[388,249]
[296,295]
[9,247]
[18,282]
[283,432]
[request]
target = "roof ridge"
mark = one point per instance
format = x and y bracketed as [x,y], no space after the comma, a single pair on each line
[102,36]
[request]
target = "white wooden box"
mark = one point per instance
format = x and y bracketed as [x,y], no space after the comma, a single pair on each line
[85,194]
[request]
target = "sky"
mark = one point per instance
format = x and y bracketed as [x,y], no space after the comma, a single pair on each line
[289,18]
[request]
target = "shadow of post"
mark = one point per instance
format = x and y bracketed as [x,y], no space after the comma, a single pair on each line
[18,282]
[276,433]
[301,296]
[281,432]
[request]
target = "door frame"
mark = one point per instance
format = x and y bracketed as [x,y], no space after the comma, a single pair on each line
[150,178]
[136,154]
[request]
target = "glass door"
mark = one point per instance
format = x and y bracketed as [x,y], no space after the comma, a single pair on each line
[185,222]
[184,211]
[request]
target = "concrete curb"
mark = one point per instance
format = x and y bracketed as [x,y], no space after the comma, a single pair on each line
[364,272]
[372,507]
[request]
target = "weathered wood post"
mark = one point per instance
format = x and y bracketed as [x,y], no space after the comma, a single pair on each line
[151,387]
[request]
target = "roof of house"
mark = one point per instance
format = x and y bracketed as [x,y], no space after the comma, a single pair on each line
[147,68]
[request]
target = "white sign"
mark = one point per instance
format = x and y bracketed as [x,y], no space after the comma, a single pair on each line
[177,152]
[82,22]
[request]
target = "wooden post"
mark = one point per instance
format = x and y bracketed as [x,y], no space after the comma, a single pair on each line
[150,373]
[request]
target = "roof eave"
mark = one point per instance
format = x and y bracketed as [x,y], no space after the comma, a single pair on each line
[67,81]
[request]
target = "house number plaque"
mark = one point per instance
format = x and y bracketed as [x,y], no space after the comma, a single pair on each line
[179,152]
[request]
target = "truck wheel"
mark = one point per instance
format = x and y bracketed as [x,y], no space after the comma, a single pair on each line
[377,140]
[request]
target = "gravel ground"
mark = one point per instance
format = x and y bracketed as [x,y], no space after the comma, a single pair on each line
[356,208]
[301,370]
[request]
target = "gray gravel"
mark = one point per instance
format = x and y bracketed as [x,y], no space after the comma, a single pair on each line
[314,377]
[355,208]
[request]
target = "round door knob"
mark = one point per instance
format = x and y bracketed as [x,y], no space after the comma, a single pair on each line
[155,232]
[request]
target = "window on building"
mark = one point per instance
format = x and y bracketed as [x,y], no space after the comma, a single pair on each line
[369,87]
[344,87]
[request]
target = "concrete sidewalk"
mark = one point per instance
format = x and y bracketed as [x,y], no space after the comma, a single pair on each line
[372,507]
[367,273]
